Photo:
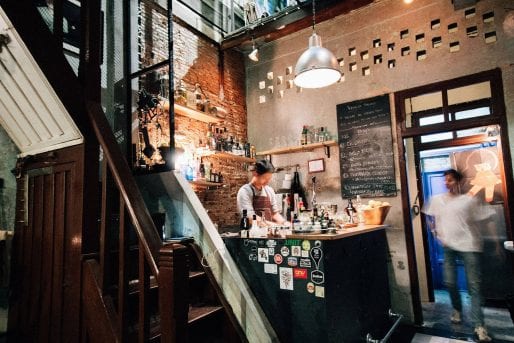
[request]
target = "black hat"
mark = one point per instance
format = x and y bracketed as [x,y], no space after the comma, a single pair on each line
[263,167]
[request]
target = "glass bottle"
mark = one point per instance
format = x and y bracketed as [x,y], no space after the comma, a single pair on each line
[350,211]
[321,135]
[198,98]
[245,222]
[305,133]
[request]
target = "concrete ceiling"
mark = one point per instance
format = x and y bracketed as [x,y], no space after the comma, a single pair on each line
[30,111]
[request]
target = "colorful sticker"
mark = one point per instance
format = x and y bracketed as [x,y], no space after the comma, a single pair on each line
[284,251]
[299,273]
[305,263]
[270,268]
[306,245]
[278,258]
[248,242]
[320,291]
[296,250]
[263,255]
[271,251]
[317,243]
[254,249]
[317,276]
[292,261]
[252,257]
[286,278]
[271,243]
[310,287]
[292,242]
[305,253]
[316,254]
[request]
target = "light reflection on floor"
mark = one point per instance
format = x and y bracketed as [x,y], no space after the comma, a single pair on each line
[437,316]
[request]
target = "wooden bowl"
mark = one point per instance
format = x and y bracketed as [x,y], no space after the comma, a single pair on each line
[376,216]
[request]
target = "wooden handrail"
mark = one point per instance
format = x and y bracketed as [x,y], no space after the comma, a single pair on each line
[134,203]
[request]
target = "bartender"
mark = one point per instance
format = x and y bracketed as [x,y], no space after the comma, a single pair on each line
[257,197]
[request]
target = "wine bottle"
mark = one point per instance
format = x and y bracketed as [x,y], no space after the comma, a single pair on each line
[245,223]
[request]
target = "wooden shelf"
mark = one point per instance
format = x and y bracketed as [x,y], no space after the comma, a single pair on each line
[194,114]
[300,148]
[230,156]
[203,183]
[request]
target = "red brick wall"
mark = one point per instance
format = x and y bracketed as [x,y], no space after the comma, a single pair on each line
[197,60]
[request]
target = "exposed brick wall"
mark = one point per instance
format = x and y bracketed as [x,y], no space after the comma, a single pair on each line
[197,60]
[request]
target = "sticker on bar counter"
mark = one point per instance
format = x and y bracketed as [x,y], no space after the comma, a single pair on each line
[252,257]
[305,263]
[292,261]
[284,251]
[310,287]
[271,243]
[317,276]
[271,251]
[316,254]
[270,268]
[248,242]
[320,291]
[278,258]
[306,245]
[292,242]
[263,255]
[299,273]
[317,243]
[296,251]
[286,278]
[305,253]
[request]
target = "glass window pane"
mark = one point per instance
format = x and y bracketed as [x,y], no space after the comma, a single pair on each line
[472,132]
[436,137]
[476,112]
[431,120]
[469,93]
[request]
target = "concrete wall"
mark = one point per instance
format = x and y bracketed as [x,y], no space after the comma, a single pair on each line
[280,117]
[9,152]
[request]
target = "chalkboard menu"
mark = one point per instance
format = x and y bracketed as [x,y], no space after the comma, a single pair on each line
[366,148]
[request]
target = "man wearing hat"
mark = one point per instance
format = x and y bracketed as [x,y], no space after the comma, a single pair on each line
[257,197]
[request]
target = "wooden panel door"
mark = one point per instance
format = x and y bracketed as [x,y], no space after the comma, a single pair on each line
[45,289]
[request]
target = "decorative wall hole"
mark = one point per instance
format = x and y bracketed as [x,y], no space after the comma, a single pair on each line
[262,99]
[341,62]
[289,84]
[435,24]
[377,43]
[352,52]
[404,34]
[421,55]
[299,89]
[391,64]
[364,55]
[377,59]
[289,70]
[454,46]
[269,75]
[420,38]
[262,84]
[405,51]
[453,27]
[470,12]
[472,31]
[437,42]
[366,71]
[490,37]
[281,94]
[488,17]
[341,79]
[280,80]
[390,47]
[352,66]
[270,89]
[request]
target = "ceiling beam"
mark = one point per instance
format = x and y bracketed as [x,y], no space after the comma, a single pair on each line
[297,20]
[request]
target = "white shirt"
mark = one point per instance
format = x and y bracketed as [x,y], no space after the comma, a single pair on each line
[245,198]
[456,220]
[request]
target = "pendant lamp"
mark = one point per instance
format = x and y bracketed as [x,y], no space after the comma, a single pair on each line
[317,67]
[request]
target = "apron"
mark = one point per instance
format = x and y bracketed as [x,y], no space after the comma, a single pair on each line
[262,204]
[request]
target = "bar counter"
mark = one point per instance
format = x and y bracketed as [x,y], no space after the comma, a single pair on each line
[319,287]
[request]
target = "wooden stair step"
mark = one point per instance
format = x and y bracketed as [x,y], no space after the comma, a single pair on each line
[197,313]
[133,287]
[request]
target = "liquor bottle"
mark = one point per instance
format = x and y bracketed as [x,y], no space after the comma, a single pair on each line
[247,149]
[303,139]
[207,171]
[350,211]
[327,135]
[198,98]
[297,188]
[220,177]
[315,135]
[245,223]
[309,136]
[254,230]
[321,136]
[202,170]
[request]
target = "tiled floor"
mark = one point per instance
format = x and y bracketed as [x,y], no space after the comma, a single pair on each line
[436,315]
[422,338]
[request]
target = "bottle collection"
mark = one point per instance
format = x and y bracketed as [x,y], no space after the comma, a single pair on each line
[219,139]
[311,135]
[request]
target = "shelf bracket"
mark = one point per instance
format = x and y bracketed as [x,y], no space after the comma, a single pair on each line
[327,150]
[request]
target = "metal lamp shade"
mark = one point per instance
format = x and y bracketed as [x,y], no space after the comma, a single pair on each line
[317,67]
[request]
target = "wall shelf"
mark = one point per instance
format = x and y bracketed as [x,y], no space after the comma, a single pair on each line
[203,183]
[300,148]
[233,157]
[194,114]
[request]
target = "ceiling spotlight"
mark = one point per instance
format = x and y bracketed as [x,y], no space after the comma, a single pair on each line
[254,55]
[317,67]
[408,1]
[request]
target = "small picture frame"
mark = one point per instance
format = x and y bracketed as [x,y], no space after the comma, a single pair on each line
[316,166]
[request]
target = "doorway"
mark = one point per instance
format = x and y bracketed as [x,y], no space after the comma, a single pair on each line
[457,124]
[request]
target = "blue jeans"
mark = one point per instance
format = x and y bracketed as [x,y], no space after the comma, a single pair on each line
[471,262]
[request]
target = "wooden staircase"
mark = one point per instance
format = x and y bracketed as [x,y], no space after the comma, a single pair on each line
[133,286]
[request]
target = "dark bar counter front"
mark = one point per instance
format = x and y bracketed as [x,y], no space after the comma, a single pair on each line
[319,287]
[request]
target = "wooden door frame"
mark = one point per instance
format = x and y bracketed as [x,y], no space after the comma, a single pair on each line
[497,117]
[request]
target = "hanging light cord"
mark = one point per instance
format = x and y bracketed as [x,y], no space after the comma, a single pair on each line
[313,14]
